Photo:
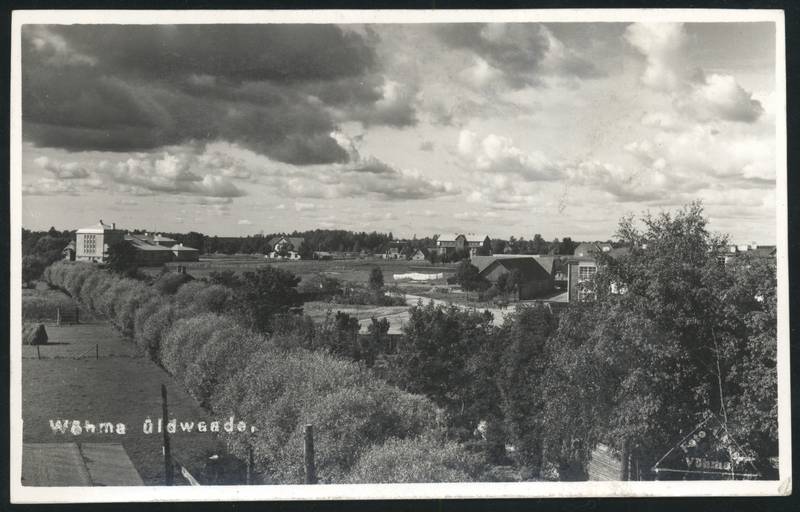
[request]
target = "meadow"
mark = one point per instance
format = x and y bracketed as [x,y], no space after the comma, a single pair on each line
[349,270]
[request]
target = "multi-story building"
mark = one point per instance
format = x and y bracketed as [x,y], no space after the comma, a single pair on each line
[92,243]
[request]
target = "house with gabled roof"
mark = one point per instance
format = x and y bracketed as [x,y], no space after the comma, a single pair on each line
[535,273]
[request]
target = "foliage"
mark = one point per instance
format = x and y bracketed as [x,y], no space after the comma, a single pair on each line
[437,357]
[421,459]
[376,279]
[122,257]
[32,268]
[266,292]
[169,282]
[469,278]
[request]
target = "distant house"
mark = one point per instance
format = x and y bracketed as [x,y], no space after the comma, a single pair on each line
[182,252]
[92,243]
[149,253]
[536,273]
[419,255]
[583,265]
[760,251]
[68,252]
[450,243]
[395,251]
[285,247]
[286,243]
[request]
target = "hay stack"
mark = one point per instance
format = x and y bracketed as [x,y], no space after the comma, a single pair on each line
[34,334]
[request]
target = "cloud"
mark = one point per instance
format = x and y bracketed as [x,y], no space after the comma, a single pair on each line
[173,173]
[244,222]
[518,54]
[62,170]
[143,87]
[426,145]
[301,207]
[498,155]
[50,187]
[695,94]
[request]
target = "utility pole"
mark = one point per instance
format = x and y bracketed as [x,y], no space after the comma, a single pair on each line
[311,472]
[168,479]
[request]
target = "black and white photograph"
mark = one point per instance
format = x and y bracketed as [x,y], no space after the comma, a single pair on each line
[392,254]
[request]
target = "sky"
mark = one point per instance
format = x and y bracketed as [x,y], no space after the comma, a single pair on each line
[509,129]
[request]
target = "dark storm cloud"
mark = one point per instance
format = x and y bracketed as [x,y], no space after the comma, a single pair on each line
[522,51]
[270,88]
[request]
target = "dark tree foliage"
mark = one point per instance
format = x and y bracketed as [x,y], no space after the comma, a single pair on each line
[265,292]
[469,278]
[122,258]
[376,279]
[439,357]
[674,332]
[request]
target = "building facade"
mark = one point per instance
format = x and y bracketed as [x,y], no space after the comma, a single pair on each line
[92,243]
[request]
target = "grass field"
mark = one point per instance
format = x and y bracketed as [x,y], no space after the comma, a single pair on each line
[120,387]
[356,270]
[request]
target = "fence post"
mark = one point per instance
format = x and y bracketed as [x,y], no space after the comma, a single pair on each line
[77,315]
[167,452]
[97,351]
[38,354]
[249,464]
[311,472]
[58,315]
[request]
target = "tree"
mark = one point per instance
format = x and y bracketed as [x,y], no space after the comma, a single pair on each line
[469,278]
[673,333]
[266,292]
[567,246]
[376,279]
[32,268]
[122,257]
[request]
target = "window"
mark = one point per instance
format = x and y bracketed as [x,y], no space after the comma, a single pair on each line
[586,272]
[89,244]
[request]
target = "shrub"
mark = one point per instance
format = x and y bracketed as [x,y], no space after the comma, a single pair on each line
[201,297]
[142,315]
[168,283]
[218,359]
[415,460]
[273,389]
[183,340]
[155,327]
[42,305]
[34,334]
[351,420]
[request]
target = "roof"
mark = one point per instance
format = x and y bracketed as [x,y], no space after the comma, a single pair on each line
[531,269]
[96,228]
[296,241]
[162,238]
[481,262]
[472,237]
[181,247]
[448,237]
[143,244]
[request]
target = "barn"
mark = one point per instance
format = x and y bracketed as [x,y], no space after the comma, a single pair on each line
[536,274]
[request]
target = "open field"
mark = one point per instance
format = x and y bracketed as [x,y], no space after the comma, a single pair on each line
[122,386]
[355,270]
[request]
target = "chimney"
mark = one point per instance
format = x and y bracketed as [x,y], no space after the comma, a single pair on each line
[113,225]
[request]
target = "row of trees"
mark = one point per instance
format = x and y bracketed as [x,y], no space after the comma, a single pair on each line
[365,428]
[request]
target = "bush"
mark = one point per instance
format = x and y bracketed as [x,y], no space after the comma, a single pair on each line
[201,297]
[415,460]
[272,390]
[43,305]
[155,327]
[168,283]
[182,342]
[219,358]
[34,334]
[348,422]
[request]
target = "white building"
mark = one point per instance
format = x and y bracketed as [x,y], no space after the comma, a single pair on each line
[91,243]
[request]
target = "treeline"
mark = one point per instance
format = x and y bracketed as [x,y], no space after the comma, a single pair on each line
[40,249]
[315,240]
[364,428]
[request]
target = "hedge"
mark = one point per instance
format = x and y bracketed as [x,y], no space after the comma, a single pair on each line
[270,383]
